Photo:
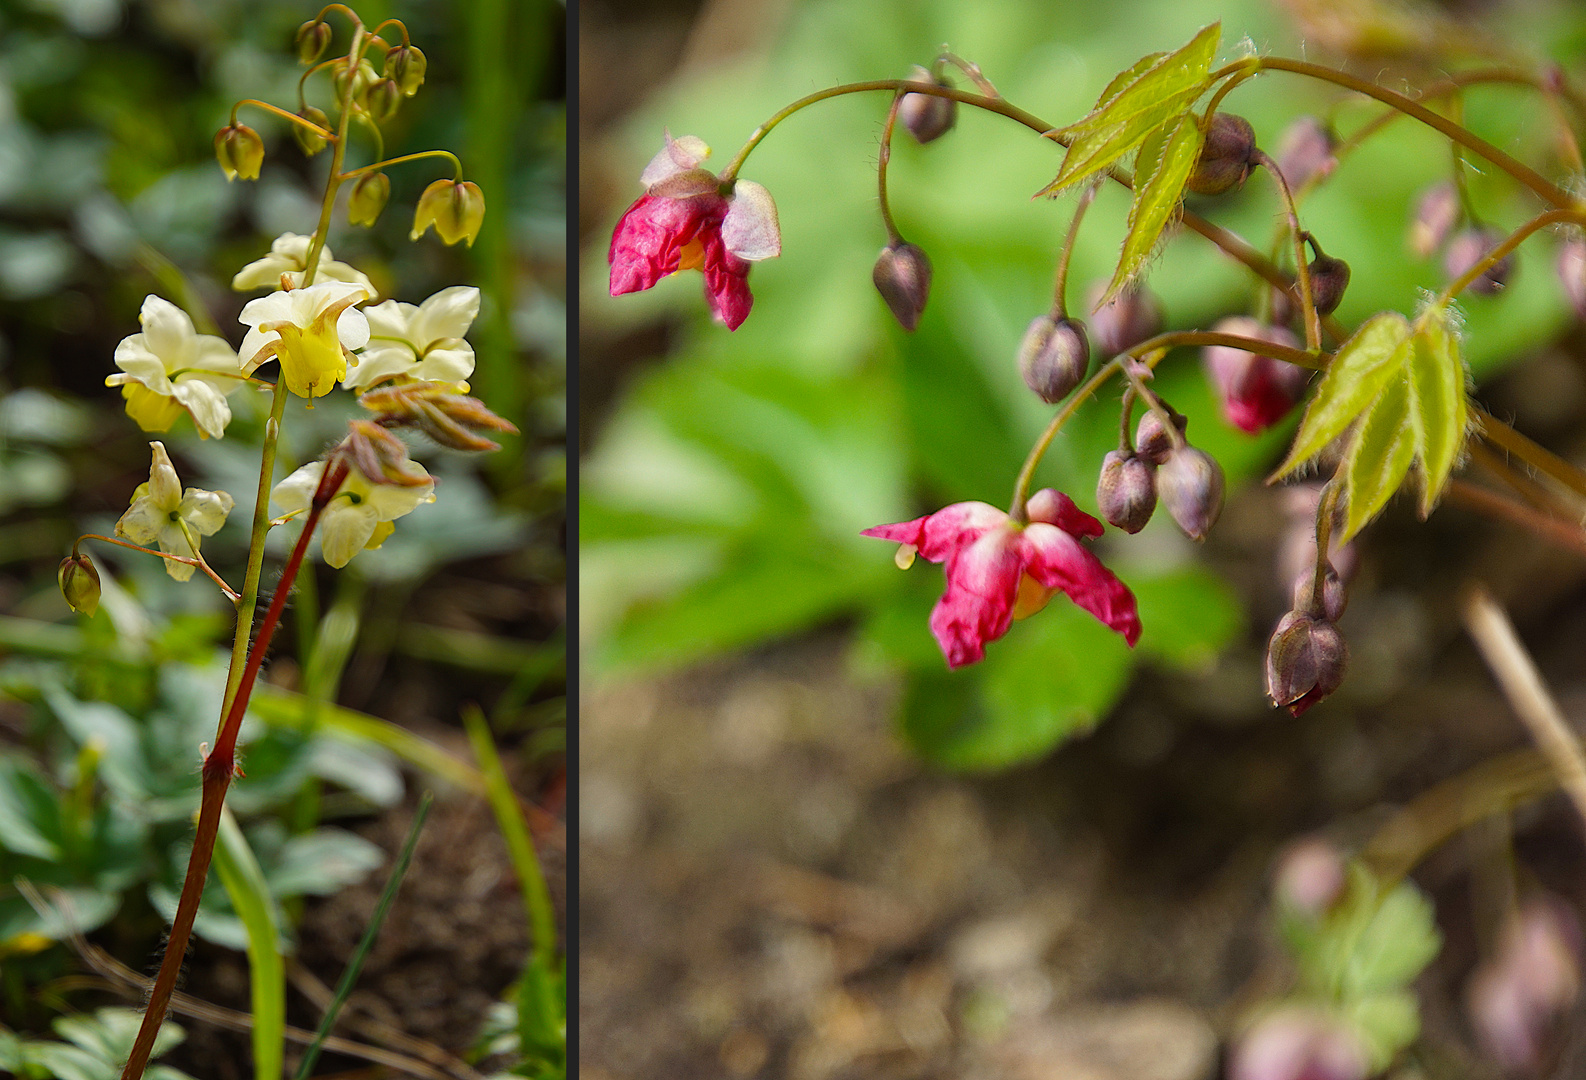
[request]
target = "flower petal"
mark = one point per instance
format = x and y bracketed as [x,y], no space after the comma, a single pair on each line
[1058,561]
[204,510]
[296,492]
[1055,508]
[167,332]
[378,361]
[451,365]
[390,319]
[750,229]
[448,314]
[675,156]
[142,522]
[164,486]
[134,357]
[205,404]
[344,531]
[982,586]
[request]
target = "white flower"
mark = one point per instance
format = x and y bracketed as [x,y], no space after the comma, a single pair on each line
[311,331]
[160,508]
[360,514]
[289,255]
[424,343]
[170,367]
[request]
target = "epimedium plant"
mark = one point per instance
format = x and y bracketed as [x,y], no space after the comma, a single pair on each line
[1392,410]
[322,331]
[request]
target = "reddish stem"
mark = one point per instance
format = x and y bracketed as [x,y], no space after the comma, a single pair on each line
[219,768]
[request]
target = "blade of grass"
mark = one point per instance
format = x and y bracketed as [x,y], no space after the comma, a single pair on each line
[250,895]
[354,965]
[542,1021]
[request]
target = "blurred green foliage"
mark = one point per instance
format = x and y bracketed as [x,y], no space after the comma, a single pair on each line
[722,503]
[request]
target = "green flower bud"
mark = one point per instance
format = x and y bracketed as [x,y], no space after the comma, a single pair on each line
[368,198]
[455,207]
[240,152]
[406,65]
[312,39]
[382,99]
[79,583]
[311,142]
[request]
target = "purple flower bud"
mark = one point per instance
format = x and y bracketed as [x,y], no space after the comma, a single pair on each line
[1572,274]
[902,276]
[1329,279]
[1126,491]
[1151,440]
[1522,991]
[1334,596]
[1133,316]
[1436,214]
[1468,248]
[1190,484]
[1255,391]
[1299,1043]
[1305,661]
[1053,357]
[1310,876]
[1306,151]
[1225,156]
[927,116]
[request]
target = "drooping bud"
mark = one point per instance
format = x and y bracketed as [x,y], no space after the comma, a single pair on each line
[1190,484]
[406,65]
[1516,998]
[1436,214]
[1305,661]
[1255,391]
[1469,247]
[1306,151]
[1329,279]
[927,116]
[368,198]
[311,142]
[240,151]
[382,99]
[1335,597]
[1572,274]
[1225,156]
[450,418]
[1133,316]
[363,77]
[313,37]
[79,580]
[380,455]
[1299,1042]
[1310,877]
[902,276]
[455,207]
[1053,357]
[1126,491]
[1151,440]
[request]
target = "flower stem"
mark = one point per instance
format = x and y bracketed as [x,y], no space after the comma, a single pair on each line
[1325,508]
[293,117]
[883,158]
[198,562]
[1302,273]
[1512,241]
[338,154]
[261,526]
[1060,282]
[218,770]
[456,163]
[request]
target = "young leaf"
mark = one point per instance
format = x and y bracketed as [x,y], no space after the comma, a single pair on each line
[1127,114]
[243,879]
[1359,371]
[1158,185]
[1379,456]
[1437,401]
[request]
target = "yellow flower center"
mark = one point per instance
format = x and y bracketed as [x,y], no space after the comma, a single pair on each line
[1033,596]
[151,411]
[312,359]
[692,257]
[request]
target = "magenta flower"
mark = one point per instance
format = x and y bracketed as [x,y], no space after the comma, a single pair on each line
[998,570]
[1256,391]
[685,222]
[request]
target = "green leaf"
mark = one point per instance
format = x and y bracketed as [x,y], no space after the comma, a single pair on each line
[31,820]
[1189,616]
[250,896]
[1378,457]
[1437,399]
[1359,371]
[1386,1024]
[1395,943]
[1125,77]
[1053,676]
[1159,180]
[1159,93]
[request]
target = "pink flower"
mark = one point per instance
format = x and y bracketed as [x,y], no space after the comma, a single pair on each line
[1256,391]
[685,222]
[998,570]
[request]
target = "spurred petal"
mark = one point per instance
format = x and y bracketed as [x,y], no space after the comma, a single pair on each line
[648,242]
[726,284]
[940,534]
[1058,561]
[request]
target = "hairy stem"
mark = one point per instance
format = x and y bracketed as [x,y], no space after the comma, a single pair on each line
[1302,273]
[1060,282]
[883,158]
[1512,241]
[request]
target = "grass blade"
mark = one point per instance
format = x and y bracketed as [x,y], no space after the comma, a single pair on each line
[250,895]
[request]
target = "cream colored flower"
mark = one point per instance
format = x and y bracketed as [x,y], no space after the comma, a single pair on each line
[289,255]
[170,368]
[359,515]
[310,331]
[424,343]
[160,509]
